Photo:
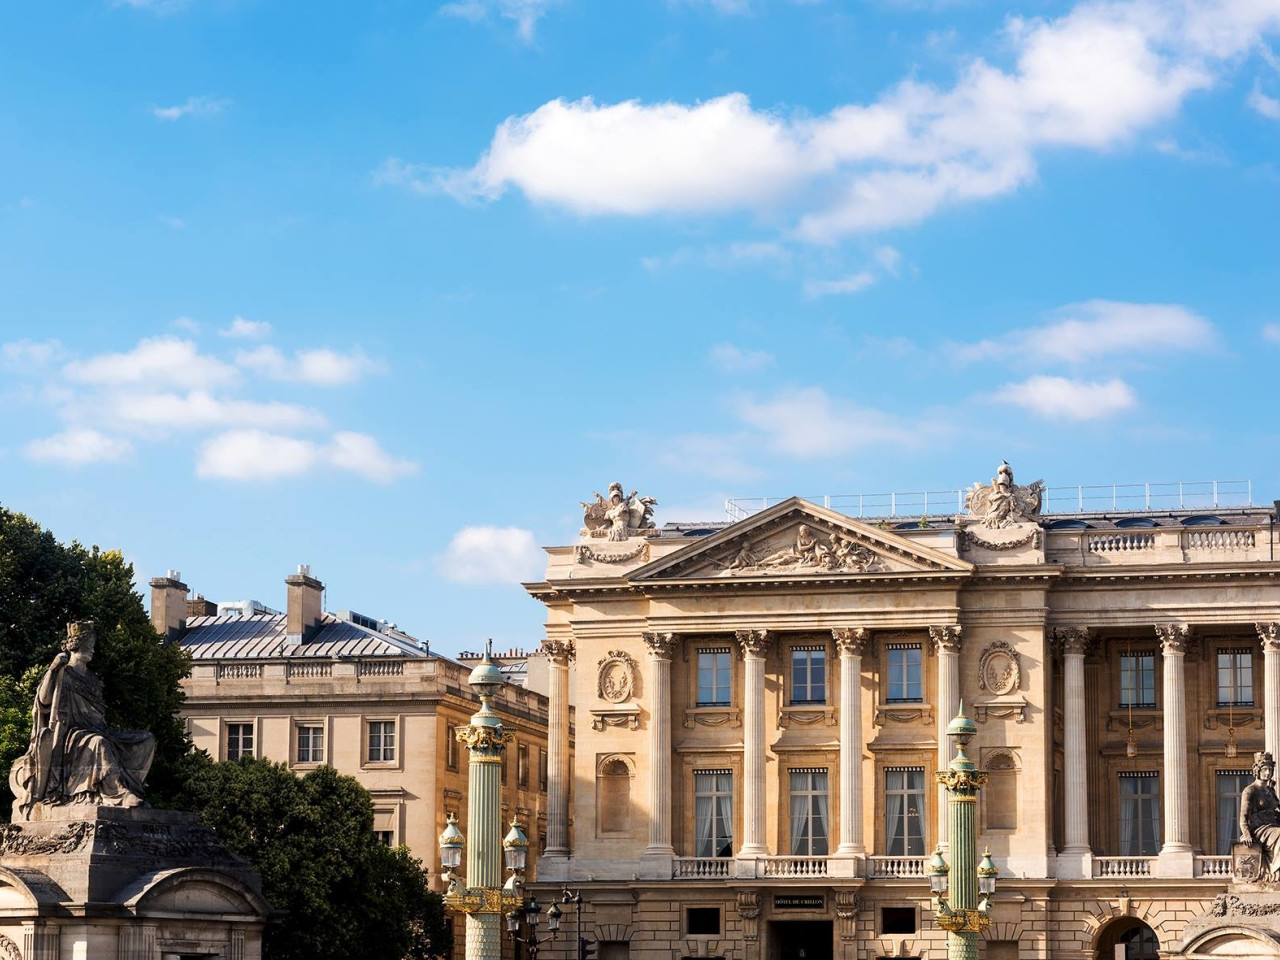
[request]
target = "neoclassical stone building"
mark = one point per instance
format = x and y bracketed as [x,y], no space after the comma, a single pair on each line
[761,707]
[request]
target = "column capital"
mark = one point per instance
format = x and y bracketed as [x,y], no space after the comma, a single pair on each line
[852,640]
[1073,640]
[947,637]
[1174,637]
[660,644]
[560,652]
[1269,634]
[754,643]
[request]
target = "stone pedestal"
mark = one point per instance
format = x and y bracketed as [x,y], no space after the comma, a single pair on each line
[126,884]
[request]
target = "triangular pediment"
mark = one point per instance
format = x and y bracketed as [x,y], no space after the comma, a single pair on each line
[796,538]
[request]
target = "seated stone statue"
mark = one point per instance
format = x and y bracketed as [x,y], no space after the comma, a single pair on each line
[1260,813]
[74,757]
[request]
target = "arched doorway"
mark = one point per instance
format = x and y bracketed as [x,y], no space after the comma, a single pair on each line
[1128,939]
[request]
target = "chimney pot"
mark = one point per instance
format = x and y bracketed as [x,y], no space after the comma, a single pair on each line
[304,607]
[169,605]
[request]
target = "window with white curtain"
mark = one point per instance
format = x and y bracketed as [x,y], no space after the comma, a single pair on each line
[713,813]
[809,820]
[1230,784]
[1139,814]
[904,811]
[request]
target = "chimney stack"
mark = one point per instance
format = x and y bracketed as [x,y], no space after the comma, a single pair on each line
[169,605]
[200,607]
[305,608]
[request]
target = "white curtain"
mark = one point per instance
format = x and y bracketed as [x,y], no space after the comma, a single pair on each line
[820,833]
[725,838]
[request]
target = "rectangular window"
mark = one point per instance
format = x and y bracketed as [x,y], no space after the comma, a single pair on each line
[713,813]
[310,743]
[382,741]
[1139,815]
[450,747]
[702,921]
[904,811]
[239,740]
[542,770]
[1235,678]
[906,673]
[1231,784]
[1137,679]
[522,765]
[387,837]
[809,813]
[808,675]
[713,677]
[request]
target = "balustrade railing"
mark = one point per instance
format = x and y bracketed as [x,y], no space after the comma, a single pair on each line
[793,866]
[239,671]
[307,670]
[1121,542]
[1219,539]
[1213,866]
[1123,866]
[896,867]
[701,868]
[377,668]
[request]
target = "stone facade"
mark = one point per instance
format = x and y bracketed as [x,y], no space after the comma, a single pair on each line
[769,699]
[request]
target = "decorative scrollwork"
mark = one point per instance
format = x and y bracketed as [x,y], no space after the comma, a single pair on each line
[615,681]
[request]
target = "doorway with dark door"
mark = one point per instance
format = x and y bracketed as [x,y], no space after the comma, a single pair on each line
[801,940]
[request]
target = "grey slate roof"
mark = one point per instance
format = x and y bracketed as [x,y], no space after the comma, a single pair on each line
[263,637]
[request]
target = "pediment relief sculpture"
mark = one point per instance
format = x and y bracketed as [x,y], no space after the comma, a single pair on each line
[618,516]
[1003,503]
[802,550]
[615,681]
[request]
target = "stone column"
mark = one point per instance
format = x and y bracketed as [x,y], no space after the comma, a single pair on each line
[851,642]
[658,855]
[946,641]
[486,742]
[1074,860]
[1269,634]
[754,643]
[1176,856]
[560,653]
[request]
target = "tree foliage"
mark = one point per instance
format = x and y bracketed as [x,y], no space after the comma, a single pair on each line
[342,892]
[44,585]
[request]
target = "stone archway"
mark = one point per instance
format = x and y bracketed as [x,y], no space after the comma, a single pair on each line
[1233,941]
[1137,939]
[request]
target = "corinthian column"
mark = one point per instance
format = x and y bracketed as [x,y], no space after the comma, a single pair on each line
[1176,857]
[851,642]
[946,640]
[560,653]
[754,644]
[1269,634]
[659,852]
[1073,861]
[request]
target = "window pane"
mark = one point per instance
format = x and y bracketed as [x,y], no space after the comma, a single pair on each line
[713,677]
[713,814]
[1137,680]
[1230,784]
[906,674]
[904,812]
[1235,678]
[1139,815]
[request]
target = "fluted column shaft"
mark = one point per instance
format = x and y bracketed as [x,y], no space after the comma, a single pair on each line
[1075,751]
[754,644]
[559,655]
[946,640]
[1269,634]
[851,642]
[660,646]
[486,741]
[1177,825]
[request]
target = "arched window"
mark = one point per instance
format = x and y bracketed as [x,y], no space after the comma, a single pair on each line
[1203,520]
[613,795]
[1070,525]
[1129,522]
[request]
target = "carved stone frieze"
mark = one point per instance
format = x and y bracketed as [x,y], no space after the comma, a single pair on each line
[615,681]
[948,637]
[967,539]
[560,652]
[1003,503]
[1174,637]
[808,550]
[851,640]
[109,837]
[999,669]
[583,552]
[660,645]
[619,516]
[1230,905]
[754,643]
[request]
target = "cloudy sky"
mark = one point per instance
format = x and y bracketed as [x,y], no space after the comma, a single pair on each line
[389,287]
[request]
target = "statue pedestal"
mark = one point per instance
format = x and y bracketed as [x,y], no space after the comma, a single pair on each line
[132,884]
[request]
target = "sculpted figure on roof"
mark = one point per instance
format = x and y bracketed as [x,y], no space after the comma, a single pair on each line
[74,757]
[619,516]
[1003,503]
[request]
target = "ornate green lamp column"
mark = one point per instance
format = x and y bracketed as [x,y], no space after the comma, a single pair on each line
[968,917]
[483,898]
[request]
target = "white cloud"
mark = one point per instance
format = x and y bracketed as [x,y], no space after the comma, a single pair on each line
[1100,328]
[492,555]
[809,423]
[191,107]
[525,14]
[199,410]
[159,361]
[730,257]
[854,283]
[729,358]
[1057,398]
[187,324]
[30,355]
[889,259]
[1271,333]
[1090,79]
[320,367]
[242,329]
[1268,107]
[256,455]
[78,447]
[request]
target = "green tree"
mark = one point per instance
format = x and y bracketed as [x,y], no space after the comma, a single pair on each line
[44,585]
[341,891]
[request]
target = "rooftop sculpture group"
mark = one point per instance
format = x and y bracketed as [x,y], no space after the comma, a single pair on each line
[618,517]
[1003,503]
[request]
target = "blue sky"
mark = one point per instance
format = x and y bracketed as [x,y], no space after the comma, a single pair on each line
[389,287]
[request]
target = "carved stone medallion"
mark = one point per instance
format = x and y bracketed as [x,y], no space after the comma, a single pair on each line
[999,669]
[615,681]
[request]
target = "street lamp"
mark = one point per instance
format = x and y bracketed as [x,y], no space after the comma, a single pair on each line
[483,897]
[529,913]
[586,951]
[967,878]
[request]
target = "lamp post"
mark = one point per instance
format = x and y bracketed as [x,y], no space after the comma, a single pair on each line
[530,913]
[482,896]
[965,916]
[586,951]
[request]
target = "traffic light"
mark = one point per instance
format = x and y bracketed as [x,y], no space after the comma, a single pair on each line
[586,948]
